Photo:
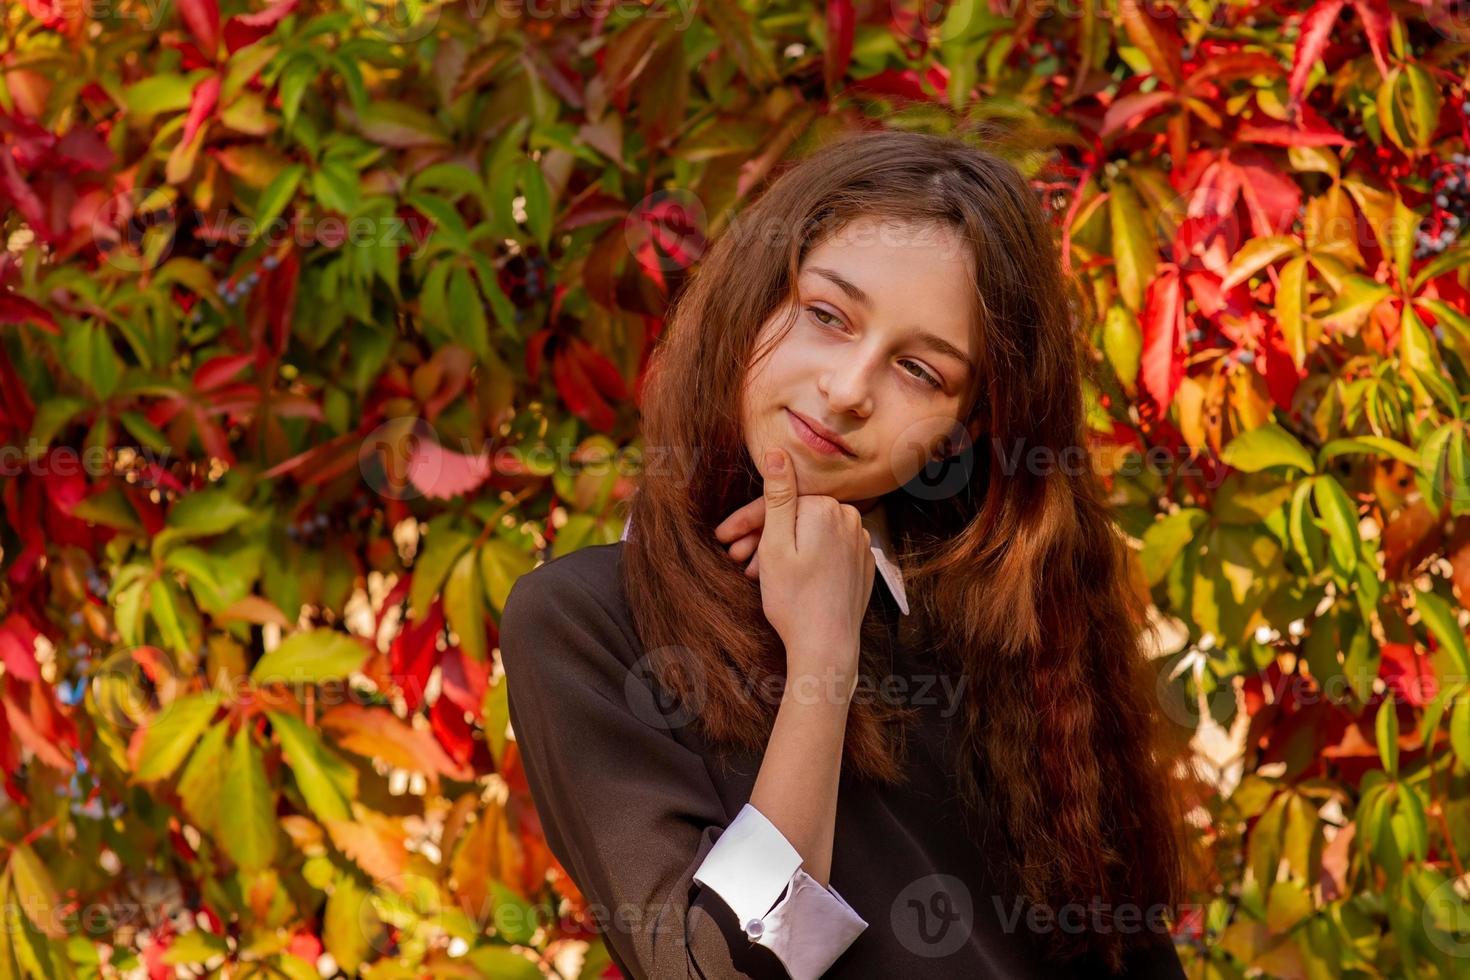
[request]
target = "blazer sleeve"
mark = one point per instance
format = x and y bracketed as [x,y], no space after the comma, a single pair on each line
[633,814]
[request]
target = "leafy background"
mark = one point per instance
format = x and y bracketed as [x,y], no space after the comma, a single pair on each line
[320,323]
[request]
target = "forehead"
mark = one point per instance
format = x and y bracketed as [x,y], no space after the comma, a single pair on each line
[914,275]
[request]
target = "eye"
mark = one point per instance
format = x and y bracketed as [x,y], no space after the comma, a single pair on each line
[817,311]
[924,376]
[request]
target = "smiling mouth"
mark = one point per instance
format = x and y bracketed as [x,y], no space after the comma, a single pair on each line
[811,439]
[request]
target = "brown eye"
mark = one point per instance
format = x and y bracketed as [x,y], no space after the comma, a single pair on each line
[817,312]
[925,376]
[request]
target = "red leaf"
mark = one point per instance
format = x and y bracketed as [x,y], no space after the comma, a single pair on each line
[201,106]
[246,29]
[18,648]
[1408,674]
[202,19]
[578,392]
[453,732]
[442,473]
[13,187]
[535,350]
[841,27]
[1271,197]
[1311,130]
[1163,326]
[601,371]
[1377,21]
[218,370]
[1282,376]
[413,653]
[40,727]
[1316,27]
[464,680]
[278,293]
[15,308]
[1130,110]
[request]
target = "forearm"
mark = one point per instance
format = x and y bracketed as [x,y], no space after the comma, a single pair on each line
[796,788]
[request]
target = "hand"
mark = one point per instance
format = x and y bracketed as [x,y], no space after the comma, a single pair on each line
[741,533]
[816,573]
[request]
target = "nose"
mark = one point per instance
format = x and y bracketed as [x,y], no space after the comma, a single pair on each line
[847,387]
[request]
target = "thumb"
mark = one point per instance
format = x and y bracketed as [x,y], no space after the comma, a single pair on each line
[780,497]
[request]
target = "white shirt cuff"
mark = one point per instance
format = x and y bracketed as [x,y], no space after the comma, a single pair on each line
[750,867]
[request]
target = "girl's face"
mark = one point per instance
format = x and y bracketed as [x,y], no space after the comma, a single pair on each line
[881,354]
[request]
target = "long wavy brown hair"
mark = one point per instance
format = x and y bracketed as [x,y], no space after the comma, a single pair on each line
[1019,579]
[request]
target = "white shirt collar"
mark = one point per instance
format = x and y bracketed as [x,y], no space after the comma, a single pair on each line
[876,521]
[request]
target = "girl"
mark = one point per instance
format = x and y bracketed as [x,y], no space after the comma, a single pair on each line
[752,759]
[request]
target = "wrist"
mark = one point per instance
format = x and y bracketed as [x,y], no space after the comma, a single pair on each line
[820,687]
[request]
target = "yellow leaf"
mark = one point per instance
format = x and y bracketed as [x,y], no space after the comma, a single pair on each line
[1134,249]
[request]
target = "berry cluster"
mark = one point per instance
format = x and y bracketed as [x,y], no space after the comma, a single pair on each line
[96,584]
[1450,183]
[307,527]
[525,277]
[234,291]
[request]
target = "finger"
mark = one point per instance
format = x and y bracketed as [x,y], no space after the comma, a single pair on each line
[753,570]
[779,491]
[742,521]
[745,547]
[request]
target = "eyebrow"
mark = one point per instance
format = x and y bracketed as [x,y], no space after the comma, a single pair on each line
[926,339]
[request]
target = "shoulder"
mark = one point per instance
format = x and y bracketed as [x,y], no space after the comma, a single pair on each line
[573,601]
[590,571]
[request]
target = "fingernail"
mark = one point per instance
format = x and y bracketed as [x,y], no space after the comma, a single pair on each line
[774,462]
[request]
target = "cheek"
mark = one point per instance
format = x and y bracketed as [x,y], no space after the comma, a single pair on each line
[916,444]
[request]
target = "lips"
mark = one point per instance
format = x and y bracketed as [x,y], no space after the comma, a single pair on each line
[806,427]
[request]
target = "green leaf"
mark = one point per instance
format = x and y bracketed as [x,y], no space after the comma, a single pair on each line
[538,199]
[1460,731]
[52,415]
[503,963]
[467,313]
[164,606]
[501,563]
[1123,344]
[1386,729]
[464,605]
[447,220]
[205,513]
[1266,446]
[1291,309]
[1255,255]
[327,783]
[1340,520]
[442,549]
[159,93]
[1306,536]
[90,356]
[275,197]
[1135,253]
[195,947]
[310,658]
[110,508]
[350,923]
[1164,539]
[172,733]
[247,812]
[400,125]
[203,776]
[1443,623]
[35,889]
[1374,445]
